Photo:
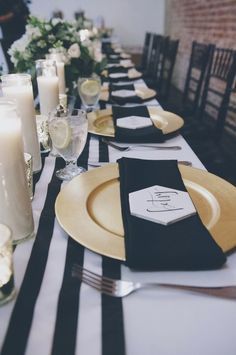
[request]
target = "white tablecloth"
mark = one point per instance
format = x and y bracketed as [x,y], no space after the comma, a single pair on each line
[165,322]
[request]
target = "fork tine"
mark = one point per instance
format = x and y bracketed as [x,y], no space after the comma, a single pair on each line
[77,268]
[101,283]
[93,282]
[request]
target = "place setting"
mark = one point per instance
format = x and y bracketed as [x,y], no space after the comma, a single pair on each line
[182,210]
[128,93]
[140,124]
[121,74]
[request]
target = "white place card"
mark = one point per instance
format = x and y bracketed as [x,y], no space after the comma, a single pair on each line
[117,75]
[126,62]
[161,204]
[134,122]
[123,93]
[125,55]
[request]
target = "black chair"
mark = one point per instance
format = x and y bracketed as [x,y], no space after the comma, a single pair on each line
[186,104]
[146,51]
[154,57]
[170,48]
[206,131]
[201,55]
[223,71]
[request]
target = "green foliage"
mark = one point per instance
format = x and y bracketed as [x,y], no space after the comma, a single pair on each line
[42,35]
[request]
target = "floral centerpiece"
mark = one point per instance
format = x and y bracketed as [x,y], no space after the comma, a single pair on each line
[42,35]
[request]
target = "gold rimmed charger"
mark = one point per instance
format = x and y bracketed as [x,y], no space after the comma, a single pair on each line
[88,208]
[143,92]
[101,123]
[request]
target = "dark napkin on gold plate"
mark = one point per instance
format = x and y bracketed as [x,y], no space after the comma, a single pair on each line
[124,100]
[183,245]
[149,134]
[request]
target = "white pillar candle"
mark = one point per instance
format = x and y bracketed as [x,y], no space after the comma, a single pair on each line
[61,77]
[15,206]
[48,93]
[19,87]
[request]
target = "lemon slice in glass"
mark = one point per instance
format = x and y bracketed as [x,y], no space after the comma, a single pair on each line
[60,133]
[90,87]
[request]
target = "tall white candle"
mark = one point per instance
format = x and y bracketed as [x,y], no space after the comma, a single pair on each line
[15,206]
[19,87]
[61,77]
[58,56]
[48,93]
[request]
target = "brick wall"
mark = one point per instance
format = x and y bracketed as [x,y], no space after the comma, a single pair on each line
[207,21]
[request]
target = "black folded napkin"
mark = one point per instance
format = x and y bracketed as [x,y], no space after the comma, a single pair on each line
[184,245]
[149,134]
[107,48]
[119,69]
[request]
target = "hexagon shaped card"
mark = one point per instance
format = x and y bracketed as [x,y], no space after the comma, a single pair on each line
[161,204]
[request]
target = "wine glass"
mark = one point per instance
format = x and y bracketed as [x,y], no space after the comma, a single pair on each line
[89,90]
[68,131]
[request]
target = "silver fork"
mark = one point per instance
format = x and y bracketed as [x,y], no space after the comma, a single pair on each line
[129,147]
[121,288]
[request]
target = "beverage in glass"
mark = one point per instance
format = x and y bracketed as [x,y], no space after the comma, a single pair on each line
[89,91]
[68,131]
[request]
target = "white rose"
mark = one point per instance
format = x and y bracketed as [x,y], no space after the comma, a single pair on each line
[74,51]
[56,20]
[33,32]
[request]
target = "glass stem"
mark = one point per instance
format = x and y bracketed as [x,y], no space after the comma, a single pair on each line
[71,165]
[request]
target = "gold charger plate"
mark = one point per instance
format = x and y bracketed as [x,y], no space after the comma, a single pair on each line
[101,123]
[143,93]
[88,208]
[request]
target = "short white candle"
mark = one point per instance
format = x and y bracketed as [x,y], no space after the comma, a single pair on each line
[23,94]
[61,77]
[15,206]
[48,93]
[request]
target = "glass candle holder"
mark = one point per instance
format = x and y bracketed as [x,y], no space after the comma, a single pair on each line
[43,134]
[58,55]
[19,88]
[29,173]
[48,85]
[7,289]
[15,206]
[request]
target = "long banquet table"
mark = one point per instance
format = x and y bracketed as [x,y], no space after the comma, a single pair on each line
[54,313]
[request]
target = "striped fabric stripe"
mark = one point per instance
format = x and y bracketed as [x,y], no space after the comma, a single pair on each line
[22,315]
[113,340]
[64,339]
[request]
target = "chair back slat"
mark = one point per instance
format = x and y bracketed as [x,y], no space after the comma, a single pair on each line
[170,48]
[199,61]
[146,50]
[155,54]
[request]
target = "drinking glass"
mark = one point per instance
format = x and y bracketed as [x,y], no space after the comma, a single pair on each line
[43,135]
[68,131]
[89,91]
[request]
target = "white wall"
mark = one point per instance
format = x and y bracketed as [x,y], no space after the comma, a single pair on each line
[130,18]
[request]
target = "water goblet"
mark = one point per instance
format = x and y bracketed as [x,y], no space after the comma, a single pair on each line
[68,131]
[89,90]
